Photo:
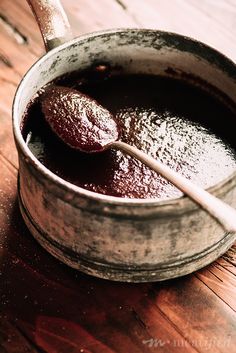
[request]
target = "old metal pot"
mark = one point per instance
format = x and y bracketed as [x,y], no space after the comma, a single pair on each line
[109,237]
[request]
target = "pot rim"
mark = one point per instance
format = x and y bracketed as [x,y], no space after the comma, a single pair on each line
[216,189]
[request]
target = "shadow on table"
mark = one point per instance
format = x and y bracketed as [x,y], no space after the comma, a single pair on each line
[55,305]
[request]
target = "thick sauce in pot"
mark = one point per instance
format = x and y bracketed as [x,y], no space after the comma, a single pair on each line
[177,123]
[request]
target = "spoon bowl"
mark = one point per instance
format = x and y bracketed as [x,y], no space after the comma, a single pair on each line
[78,120]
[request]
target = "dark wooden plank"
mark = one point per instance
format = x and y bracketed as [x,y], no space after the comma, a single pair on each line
[226,264]
[230,256]
[7,145]
[221,282]
[12,340]
[202,317]
[8,195]
[163,334]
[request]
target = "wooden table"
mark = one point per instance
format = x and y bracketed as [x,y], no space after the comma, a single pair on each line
[47,307]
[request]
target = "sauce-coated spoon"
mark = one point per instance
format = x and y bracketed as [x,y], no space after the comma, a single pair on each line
[84,124]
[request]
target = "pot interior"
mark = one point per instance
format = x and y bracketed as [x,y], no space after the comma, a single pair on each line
[134,52]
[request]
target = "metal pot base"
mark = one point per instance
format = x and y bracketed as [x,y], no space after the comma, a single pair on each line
[124,273]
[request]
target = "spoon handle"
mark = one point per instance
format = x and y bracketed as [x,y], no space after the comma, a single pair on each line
[222,212]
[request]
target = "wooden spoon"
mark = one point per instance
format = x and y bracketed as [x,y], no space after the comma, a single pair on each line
[84,124]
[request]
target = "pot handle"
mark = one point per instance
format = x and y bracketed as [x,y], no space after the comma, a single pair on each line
[52,21]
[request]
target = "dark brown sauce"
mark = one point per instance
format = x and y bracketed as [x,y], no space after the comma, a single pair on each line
[173,121]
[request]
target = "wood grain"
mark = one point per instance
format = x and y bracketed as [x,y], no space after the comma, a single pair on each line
[47,307]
